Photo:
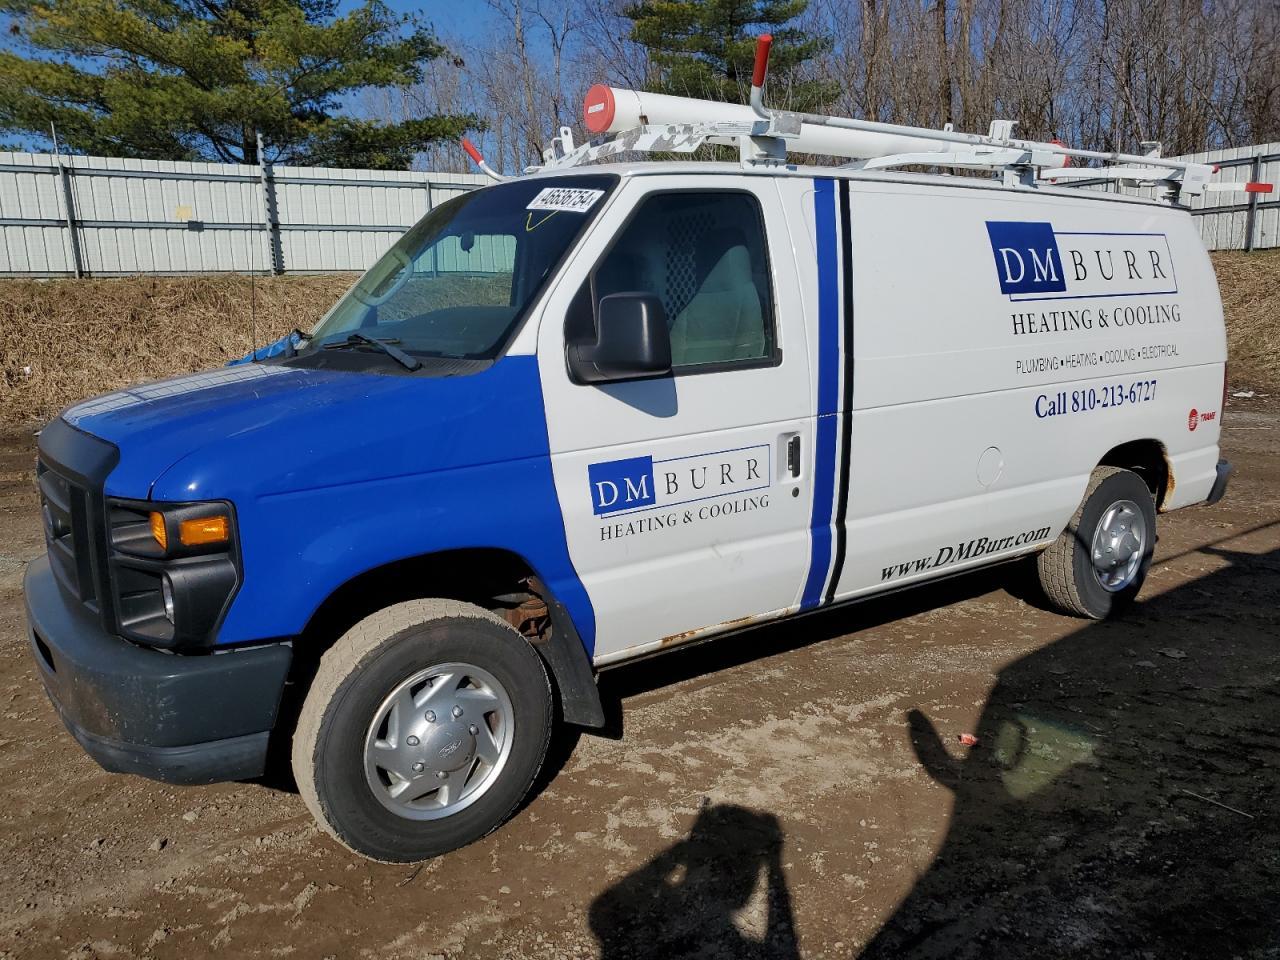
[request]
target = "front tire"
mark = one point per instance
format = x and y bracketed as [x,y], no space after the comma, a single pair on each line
[1098,564]
[424,728]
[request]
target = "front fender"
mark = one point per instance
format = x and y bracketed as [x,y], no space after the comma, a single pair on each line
[414,466]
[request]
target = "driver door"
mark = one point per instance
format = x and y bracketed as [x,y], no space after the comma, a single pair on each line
[685,498]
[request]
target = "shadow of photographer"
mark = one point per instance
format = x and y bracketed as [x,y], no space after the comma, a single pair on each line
[697,896]
[1121,801]
[1122,797]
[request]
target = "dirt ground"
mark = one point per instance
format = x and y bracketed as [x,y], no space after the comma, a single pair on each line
[798,791]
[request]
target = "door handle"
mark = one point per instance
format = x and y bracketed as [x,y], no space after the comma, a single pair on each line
[793,455]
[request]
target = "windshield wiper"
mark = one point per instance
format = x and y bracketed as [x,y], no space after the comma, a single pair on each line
[293,339]
[356,338]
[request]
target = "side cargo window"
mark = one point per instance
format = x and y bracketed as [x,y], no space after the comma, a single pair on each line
[703,255]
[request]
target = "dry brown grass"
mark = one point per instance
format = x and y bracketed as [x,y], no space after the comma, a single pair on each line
[1250,284]
[81,337]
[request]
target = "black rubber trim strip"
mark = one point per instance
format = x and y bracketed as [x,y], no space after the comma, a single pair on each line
[1220,482]
[846,411]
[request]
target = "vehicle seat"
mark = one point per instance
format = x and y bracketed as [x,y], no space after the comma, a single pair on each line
[723,320]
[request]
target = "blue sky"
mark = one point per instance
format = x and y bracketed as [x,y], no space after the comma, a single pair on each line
[468,19]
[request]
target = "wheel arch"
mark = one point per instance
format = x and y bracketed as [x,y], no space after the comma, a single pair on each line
[496,579]
[1149,459]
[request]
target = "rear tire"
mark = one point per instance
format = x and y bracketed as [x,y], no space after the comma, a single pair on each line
[1098,564]
[424,728]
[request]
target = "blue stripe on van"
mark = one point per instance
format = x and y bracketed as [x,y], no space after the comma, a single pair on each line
[828,365]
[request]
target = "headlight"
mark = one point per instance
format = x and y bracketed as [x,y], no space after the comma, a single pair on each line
[174,569]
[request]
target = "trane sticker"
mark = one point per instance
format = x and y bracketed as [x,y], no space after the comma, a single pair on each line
[642,483]
[1035,262]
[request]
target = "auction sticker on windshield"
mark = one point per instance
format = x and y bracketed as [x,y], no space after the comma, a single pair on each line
[565,199]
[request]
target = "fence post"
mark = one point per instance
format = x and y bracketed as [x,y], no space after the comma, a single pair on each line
[431,205]
[69,215]
[271,221]
[1251,217]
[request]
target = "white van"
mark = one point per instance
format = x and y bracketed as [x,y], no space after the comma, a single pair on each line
[594,413]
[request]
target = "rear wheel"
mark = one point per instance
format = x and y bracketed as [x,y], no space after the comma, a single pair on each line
[1098,564]
[423,730]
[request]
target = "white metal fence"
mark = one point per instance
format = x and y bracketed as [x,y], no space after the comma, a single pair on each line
[1241,221]
[100,216]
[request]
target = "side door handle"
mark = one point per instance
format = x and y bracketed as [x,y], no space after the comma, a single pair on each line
[793,455]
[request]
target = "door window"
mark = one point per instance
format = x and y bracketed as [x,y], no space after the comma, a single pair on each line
[703,255]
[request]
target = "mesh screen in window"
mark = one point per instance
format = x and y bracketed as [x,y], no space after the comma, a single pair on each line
[703,256]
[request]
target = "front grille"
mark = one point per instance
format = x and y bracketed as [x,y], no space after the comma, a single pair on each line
[71,472]
[65,509]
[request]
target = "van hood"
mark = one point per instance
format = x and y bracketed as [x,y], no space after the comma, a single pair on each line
[269,428]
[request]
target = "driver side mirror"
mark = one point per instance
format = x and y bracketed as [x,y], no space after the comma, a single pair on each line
[632,341]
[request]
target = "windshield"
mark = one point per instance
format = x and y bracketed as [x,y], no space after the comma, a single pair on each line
[459,281]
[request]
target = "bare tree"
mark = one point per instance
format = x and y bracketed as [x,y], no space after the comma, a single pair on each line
[1192,74]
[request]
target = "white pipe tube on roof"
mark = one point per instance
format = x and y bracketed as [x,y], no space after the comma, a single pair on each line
[613,109]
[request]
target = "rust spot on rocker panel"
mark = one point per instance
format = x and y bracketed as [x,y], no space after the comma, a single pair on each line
[678,638]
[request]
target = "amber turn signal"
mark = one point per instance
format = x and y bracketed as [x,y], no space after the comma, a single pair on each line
[158,531]
[196,533]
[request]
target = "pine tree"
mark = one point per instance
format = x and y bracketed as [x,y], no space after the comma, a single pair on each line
[200,79]
[706,48]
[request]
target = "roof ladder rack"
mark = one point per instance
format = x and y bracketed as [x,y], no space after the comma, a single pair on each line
[630,121]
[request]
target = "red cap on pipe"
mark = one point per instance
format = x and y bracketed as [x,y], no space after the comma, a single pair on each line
[598,109]
[472,152]
[1257,187]
[1066,161]
[763,43]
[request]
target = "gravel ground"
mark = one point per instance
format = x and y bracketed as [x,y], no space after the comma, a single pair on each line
[798,791]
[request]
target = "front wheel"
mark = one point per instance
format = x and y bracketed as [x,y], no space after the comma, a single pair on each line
[422,731]
[1098,564]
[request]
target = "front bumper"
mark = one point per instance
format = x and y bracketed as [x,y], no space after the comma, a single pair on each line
[1220,482]
[180,719]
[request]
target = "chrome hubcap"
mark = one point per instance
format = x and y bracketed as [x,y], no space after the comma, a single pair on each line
[1119,543]
[438,741]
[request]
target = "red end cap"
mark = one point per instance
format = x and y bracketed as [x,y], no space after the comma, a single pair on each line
[472,152]
[763,43]
[1258,187]
[598,109]
[1066,161]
